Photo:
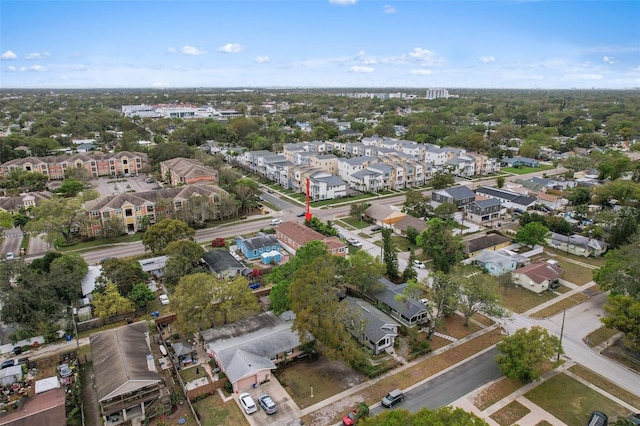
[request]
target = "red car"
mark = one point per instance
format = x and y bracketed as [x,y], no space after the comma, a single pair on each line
[350,419]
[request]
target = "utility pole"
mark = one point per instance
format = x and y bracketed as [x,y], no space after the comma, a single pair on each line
[564,313]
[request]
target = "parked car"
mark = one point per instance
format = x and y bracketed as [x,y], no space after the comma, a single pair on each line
[275,222]
[350,419]
[6,364]
[164,299]
[394,397]
[64,370]
[634,419]
[10,256]
[17,350]
[376,228]
[267,404]
[598,418]
[302,213]
[270,191]
[354,242]
[418,264]
[247,403]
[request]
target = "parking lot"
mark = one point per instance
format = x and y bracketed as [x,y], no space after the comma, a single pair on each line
[112,185]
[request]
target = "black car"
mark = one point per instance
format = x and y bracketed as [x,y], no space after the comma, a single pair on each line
[301,214]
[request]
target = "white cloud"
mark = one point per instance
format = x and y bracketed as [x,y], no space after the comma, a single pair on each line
[608,60]
[389,9]
[33,68]
[79,67]
[76,54]
[11,68]
[421,54]
[419,72]
[37,55]
[192,51]
[359,69]
[343,2]
[262,59]
[171,50]
[487,59]
[8,55]
[231,48]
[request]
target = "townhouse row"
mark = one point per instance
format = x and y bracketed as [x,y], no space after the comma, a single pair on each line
[373,165]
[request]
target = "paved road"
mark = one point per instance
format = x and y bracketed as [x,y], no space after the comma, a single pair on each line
[12,239]
[450,386]
[37,245]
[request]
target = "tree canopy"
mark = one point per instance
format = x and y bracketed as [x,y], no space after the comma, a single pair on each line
[531,234]
[439,242]
[445,416]
[524,352]
[158,236]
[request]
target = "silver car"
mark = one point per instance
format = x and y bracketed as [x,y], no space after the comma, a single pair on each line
[267,404]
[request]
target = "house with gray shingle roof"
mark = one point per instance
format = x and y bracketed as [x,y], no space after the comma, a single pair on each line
[224,264]
[371,326]
[458,195]
[509,199]
[410,312]
[253,247]
[498,262]
[247,350]
[577,244]
[483,211]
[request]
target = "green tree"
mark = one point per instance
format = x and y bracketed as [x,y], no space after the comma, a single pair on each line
[500,181]
[416,204]
[445,211]
[70,188]
[111,303]
[442,180]
[624,226]
[112,227]
[531,234]
[76,173]
[445,416]
[357,209]
[623,314]
[6,220]
[525,351]
[390,255]
[319,314]
[66,274]
[57,217]
[621,272]
[558,225]
[201,300]
[477,295]
[363,271]
[280,277]
[409,272]
[579,195]
[156,238]
[141,294]
[438,242]
[124,274]
[412,234]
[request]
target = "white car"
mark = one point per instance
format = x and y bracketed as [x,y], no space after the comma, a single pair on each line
[354,242]
[275,222]
[10,256]
[164,299]
[418,264]
[247,403]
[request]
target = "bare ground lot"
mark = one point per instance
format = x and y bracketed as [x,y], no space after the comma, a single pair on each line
[325,376]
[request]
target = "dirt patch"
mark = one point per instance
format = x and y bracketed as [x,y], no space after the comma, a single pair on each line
[89,397]
[323,376]
[495,392]
[510,413]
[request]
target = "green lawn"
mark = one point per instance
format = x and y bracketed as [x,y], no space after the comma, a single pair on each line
[519,300]
[525,170]
[355,222]
[214,412]
[571,401]
[189,374]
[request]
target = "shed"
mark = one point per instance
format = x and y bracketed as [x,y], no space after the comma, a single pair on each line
[47,384]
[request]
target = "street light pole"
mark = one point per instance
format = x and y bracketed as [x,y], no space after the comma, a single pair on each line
[564,313]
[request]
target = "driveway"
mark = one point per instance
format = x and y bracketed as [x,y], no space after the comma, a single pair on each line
[111,185]
[288,412]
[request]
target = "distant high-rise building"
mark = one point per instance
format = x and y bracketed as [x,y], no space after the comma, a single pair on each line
[437,93]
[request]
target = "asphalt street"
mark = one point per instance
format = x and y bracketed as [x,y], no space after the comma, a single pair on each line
[451,385]
[12,239]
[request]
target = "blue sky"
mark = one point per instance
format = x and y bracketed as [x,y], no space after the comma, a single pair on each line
[320,43]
